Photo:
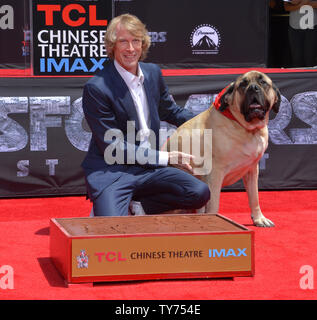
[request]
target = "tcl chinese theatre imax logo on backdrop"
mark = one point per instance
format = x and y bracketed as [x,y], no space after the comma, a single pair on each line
[205,39]
[68,36]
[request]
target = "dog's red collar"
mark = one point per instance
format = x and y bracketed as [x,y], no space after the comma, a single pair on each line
[217,103]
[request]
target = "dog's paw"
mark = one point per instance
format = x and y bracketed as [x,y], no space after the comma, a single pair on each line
[263,222]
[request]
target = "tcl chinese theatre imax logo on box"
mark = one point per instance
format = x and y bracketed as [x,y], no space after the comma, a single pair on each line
[68,36]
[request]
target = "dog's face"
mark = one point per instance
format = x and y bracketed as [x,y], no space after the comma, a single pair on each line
[250,98]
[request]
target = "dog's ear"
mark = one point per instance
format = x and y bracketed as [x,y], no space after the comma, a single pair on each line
[224,100]
[276,105]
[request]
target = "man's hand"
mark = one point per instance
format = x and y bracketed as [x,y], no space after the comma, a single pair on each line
[180,160]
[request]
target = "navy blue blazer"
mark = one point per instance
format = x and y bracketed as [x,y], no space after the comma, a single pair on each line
[108,104]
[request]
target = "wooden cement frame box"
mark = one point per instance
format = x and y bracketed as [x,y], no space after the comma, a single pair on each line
[87,250]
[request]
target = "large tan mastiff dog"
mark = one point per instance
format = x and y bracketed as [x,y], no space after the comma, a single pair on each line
[239,139]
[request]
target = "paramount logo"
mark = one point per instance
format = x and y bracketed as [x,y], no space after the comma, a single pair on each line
[218,253]
[205,39]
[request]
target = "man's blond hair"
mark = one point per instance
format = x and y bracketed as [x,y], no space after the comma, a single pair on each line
[132,24]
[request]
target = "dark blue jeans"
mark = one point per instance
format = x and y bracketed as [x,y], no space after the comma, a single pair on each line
[158,190]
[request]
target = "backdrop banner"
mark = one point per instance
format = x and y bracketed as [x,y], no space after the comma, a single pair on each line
[203,33]
[44,137]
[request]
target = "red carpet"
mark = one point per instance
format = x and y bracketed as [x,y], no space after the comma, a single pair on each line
[279,252]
